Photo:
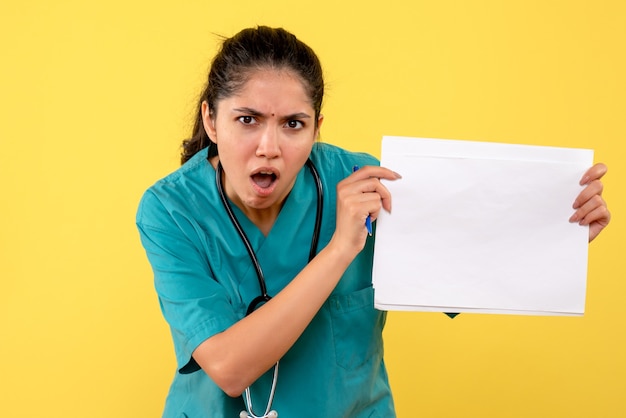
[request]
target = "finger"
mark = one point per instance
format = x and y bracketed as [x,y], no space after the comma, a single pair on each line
[592,189]
[367,180]
[371,204]
[599,214]
[351,215]
[374,191]
[374,171]
[590,211]
[597,227]
[594,173]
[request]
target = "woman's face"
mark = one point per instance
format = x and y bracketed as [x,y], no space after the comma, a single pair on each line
[265,133]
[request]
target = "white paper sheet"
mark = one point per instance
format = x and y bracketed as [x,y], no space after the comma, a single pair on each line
[481,227]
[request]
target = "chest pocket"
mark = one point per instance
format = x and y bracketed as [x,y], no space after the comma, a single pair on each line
[357,328]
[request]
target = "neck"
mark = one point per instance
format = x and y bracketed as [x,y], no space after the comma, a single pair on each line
[262,218]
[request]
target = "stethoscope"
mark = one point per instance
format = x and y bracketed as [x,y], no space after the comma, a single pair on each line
[264,296]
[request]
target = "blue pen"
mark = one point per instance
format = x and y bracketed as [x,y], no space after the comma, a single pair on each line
[368,220]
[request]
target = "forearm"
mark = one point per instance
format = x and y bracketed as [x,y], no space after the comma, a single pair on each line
[236,357]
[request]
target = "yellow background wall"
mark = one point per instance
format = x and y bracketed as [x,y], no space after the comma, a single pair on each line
[95,98]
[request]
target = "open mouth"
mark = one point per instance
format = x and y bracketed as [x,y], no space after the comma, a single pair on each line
[264,179]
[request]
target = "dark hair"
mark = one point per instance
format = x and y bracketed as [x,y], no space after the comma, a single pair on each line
[249,50]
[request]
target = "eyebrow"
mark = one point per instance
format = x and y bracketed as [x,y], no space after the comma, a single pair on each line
[253,112]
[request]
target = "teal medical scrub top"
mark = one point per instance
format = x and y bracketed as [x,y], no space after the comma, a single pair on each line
[205,280]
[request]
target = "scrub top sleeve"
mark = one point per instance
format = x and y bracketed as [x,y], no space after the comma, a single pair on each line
[193,303]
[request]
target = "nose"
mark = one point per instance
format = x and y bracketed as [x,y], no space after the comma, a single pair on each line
[269,146]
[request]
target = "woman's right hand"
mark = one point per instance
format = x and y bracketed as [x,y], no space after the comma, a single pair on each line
[358,196]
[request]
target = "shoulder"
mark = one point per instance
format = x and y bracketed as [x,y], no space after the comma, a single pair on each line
[338,162]
[177,189]
[193,169]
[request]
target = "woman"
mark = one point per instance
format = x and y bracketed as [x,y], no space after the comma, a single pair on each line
[261,110]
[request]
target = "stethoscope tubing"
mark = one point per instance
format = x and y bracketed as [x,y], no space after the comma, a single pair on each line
[264,296]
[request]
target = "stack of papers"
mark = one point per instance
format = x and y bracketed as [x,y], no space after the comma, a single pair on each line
[481,227]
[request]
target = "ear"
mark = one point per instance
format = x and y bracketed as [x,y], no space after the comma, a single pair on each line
[320,119]
[208,122]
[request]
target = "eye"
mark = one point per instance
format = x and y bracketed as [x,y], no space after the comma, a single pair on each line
[246,120]
[294,124]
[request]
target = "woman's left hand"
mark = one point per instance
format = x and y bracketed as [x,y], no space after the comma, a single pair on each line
[590,208]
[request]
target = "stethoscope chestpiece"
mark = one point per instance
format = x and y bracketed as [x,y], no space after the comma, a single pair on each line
[271,414]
